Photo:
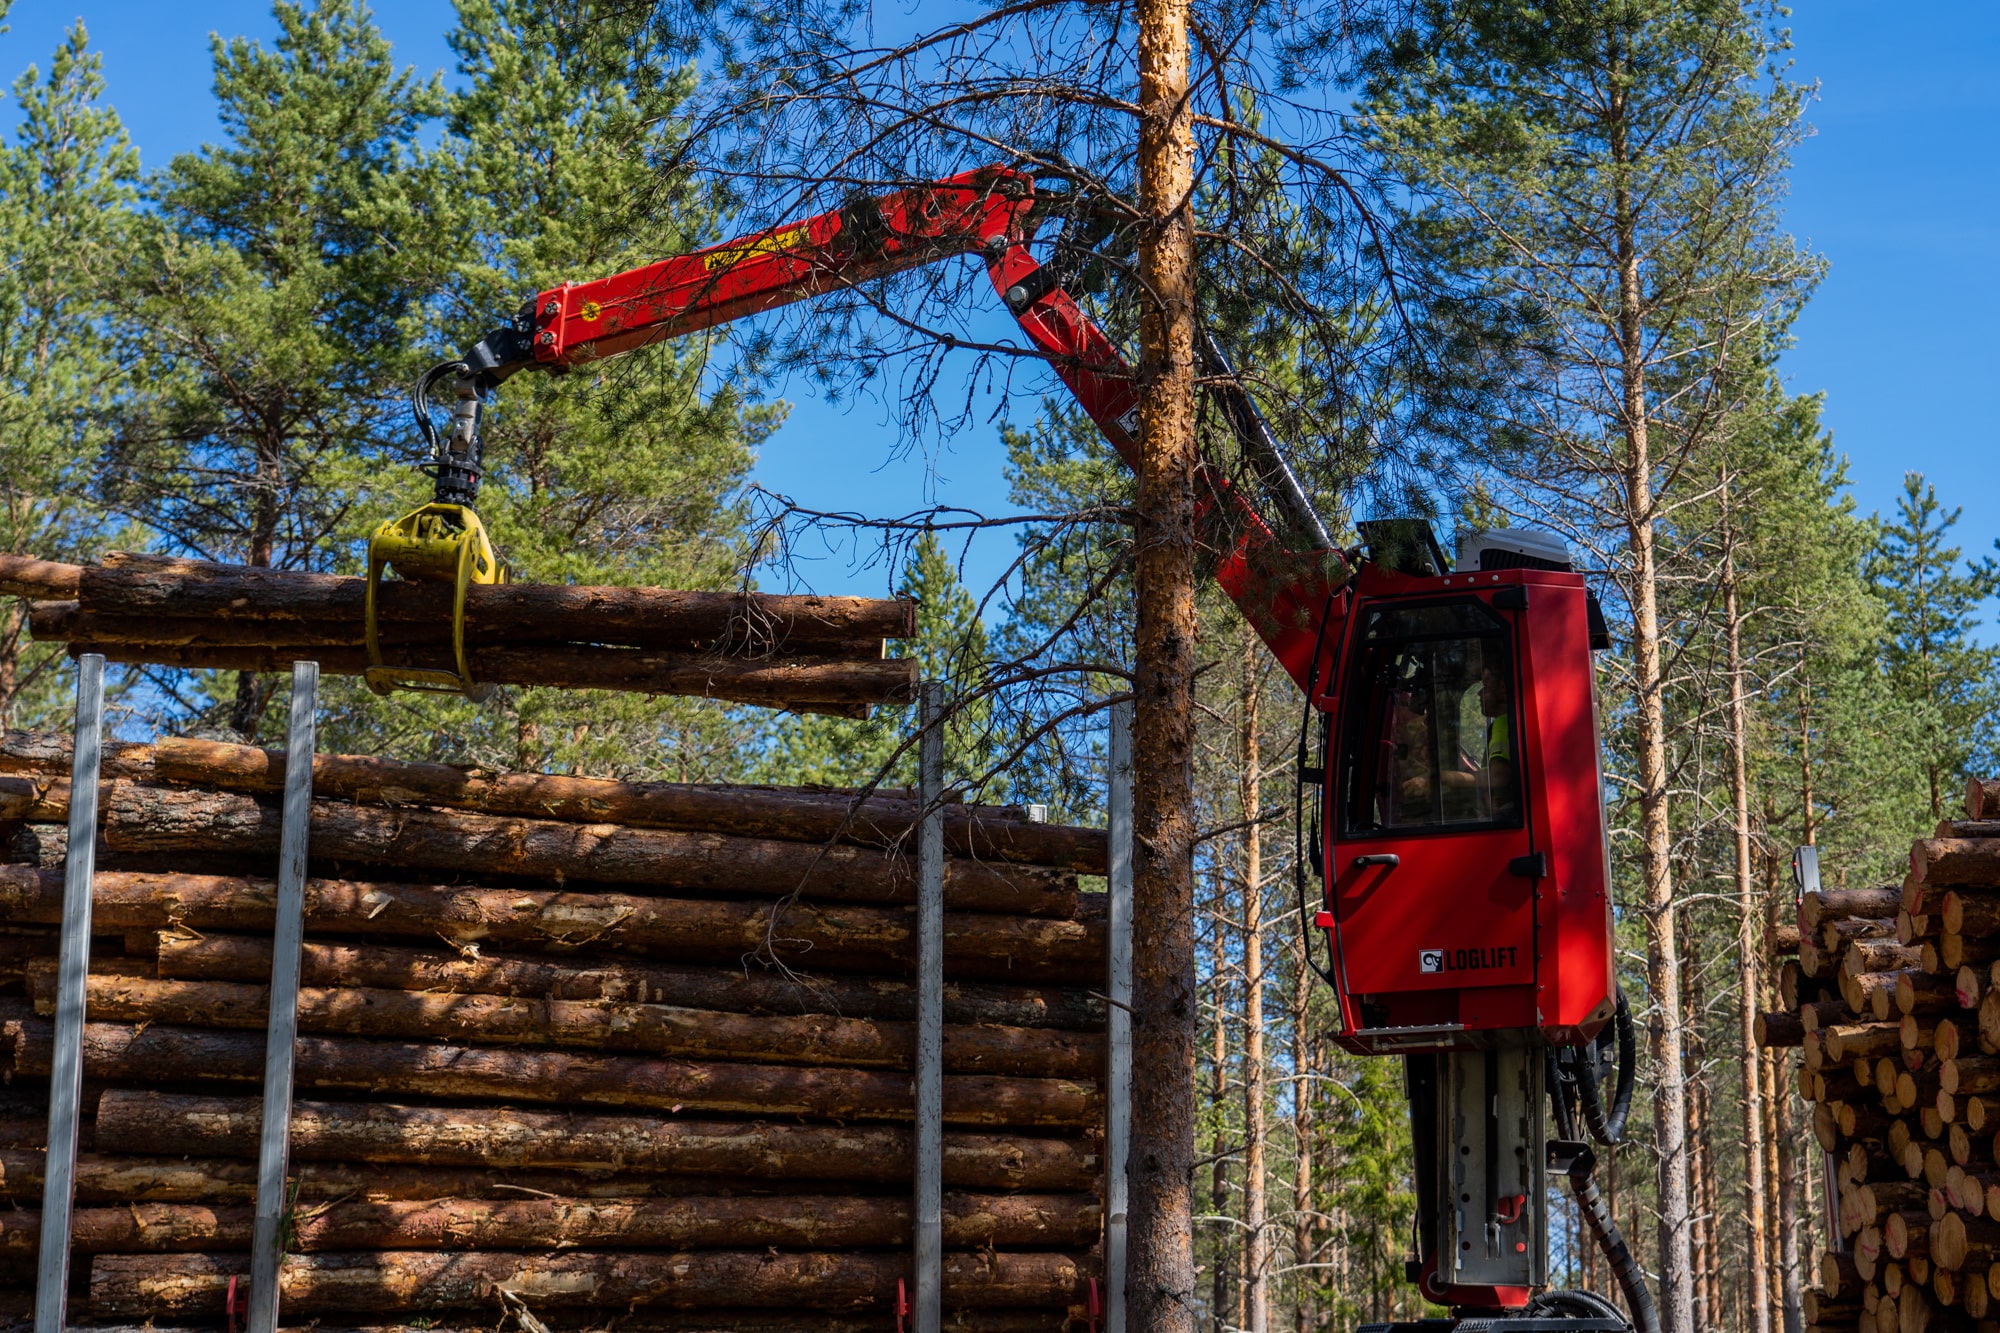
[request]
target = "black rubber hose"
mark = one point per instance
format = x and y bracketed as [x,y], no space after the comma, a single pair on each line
[1573,1305]
[1631,1281]
[1607,1129]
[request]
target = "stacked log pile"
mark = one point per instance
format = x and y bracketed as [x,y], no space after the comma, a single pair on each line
[1894,1002]
[814,654]
[570,1048]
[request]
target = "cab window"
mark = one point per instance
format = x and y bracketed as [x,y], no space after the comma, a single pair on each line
[1429,740]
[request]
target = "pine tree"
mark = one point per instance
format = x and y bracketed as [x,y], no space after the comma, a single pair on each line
[1945,684]
[627,473]
[66,196]
[951,647]
[265,317]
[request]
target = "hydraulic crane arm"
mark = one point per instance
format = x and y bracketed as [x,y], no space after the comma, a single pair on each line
[991,212]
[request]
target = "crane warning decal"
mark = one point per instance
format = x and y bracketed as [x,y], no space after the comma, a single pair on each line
[1466,960]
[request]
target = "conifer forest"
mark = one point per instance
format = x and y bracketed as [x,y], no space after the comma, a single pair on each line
[1492,264]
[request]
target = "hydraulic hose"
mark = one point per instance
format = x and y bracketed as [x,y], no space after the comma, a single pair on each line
[1583,1184]
[1607,1129]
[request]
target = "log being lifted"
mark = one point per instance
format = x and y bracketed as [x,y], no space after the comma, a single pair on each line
[121,1052]
[977,944]
[789,1221]
[488,1138]
[140,819]
[655,1029]
[165,1286]
[159,588]
[734,989]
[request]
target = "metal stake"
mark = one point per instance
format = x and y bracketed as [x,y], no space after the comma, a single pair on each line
[282,1028]
[1118,1096]
[66,1074]
[928,1311]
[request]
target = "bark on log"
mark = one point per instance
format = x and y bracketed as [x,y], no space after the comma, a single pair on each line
[1878,955]
[248,958]
[141,819]
[881,820]
[25,576]
[166,1286]
[124,1178]
[832,686]
[1780,940]
[1976,1074]
[1825,905]
[1906,1233]
[1910,929]
[1867,993]
[1779,1030]
[833,936]
[1837,1276]
[1847,1041]
[1982,798]
[789,1221]
[505,1138]
[1956,862]
[1955,1240]
[1920,993]
[817,1040]
[154,587]
[1971,912]
[1833,934]
[117,1051]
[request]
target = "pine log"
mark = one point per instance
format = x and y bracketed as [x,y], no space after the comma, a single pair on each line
[1989,1020]
[1913,1314]
[1979,1114]
[1867,993]
[1916,1089]
[1933,1124]
[1975,1296]
[1845,1041]
[1778,1030]
[397,1282]
[1837,1276]
[248,958]
[1839,904]
[505,1138]
[1956,1239]
[154,586]
[1965,988]
[1814,961]
[1823,1014]
[1956,951]
[169,1177]
[880,820]
[1956,862]
[142,819]
[1971,913]
[1914,1034]
[1904,1233]
[1836,932]
[1825,1308]
[1982,798]
[117,1051]
[1868,1252]
[1878,955]
[817,1040]
[1970,1075]
[1944,1284]
[1910,929]
[1794,987]
[1781,940]
[698,1222]
[831,685]
[1855,1121]
[831,936]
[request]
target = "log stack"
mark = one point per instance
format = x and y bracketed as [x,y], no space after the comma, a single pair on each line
[570,1049]
[1894,1002]
[811,654]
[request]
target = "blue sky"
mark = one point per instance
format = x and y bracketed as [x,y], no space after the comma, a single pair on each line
[1899,188]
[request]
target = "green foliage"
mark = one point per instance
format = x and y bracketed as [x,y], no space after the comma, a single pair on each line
[951,647]
[1945,685]
[66,192]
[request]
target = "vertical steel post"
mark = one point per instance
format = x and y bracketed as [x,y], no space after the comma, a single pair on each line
[66,1074]
[928,1307]
[281,1030]
[1118,1096]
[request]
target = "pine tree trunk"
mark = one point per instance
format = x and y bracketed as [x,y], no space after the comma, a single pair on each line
[1304,1245]
[10,659]
[1663,965]
[1256,1242]
[1218,1098]
[1748,921]
[1161,1277]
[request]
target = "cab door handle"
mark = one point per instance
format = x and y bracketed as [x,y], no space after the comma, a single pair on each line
[1389,859]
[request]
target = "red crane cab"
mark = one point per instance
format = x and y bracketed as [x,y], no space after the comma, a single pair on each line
[1463,860]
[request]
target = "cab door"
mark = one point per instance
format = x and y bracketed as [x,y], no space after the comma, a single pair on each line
[1431,854]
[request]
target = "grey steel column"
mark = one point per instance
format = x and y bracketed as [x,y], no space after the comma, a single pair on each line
[66,1074]
[281,1030]
[1118,1095]
[927,1308]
